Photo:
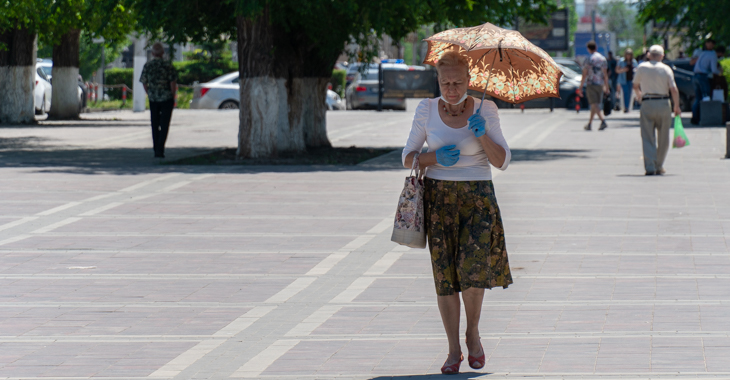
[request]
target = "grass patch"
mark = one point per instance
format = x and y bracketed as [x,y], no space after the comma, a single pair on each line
[110,104]
[184,96]
[319,156]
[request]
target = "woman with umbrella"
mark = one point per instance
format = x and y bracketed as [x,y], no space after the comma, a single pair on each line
[462,219]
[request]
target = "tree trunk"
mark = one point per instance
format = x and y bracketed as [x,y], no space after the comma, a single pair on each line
[65,99]
[291,130]
[308,110]
[307,70]
[262,115]
[17,77]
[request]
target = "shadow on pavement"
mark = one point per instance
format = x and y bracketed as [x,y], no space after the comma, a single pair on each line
[547,154]
[30,152]
[21,142]
[459,376]
[392,160]
[108,123]
[633,122]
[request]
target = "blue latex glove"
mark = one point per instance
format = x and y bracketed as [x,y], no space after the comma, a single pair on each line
[478,125]
[447,156]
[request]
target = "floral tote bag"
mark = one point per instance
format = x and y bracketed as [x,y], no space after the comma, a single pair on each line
[409,228]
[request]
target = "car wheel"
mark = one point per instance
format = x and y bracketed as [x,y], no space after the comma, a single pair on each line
[229,105]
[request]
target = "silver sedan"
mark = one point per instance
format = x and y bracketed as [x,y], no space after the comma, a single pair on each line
[362,93]
[220,93]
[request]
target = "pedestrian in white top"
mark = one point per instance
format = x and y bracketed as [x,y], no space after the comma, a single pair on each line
[653,84]
[462,219]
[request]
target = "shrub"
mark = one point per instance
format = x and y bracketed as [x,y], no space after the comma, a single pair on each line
[119,76]
[202,71]
[339,79]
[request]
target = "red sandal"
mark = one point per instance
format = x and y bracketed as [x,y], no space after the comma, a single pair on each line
[478,362]
[452,369]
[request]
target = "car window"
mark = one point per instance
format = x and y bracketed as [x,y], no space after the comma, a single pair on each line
[354,68]
[41,73]
[47,69]
[370,75]
[236,80]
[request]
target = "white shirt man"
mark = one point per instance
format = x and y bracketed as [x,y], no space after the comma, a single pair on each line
[654,84]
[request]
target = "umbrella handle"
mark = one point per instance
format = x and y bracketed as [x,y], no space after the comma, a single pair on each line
[479,111]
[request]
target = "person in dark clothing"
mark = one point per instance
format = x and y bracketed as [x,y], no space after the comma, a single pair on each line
[612,76]
[705,66]
[160,82]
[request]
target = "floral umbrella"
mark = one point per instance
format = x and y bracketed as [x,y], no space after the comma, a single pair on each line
[502,62]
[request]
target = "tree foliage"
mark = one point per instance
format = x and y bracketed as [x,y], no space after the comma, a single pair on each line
[323,27]
[328,26]
[622,19]
[183,21]
[50,19]
[695,19]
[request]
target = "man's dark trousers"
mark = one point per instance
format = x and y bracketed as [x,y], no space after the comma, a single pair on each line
[702,87]
[161,113]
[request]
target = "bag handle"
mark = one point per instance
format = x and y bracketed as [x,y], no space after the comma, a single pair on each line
[416,166]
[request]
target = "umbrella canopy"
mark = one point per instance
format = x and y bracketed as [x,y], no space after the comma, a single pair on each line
[502,62]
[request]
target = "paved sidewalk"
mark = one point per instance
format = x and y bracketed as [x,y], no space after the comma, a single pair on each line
[116,267]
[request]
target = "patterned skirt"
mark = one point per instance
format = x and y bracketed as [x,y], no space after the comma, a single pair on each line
[465,236]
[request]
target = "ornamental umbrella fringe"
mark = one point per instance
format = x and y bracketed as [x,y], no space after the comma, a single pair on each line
[502,63]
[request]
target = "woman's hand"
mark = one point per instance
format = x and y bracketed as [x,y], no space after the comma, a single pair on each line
[478,125]
[448,155]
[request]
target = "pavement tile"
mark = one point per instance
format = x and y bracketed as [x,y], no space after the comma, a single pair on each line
[614,272]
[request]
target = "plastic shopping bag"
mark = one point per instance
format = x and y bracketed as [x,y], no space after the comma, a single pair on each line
[680,138]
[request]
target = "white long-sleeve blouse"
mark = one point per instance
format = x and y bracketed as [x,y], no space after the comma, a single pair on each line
[473,164]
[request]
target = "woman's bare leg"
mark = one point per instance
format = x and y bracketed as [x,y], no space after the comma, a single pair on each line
[449,306]
[473,298]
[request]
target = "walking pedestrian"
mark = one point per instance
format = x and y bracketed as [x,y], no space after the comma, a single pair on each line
[705,67]
[612,76]
[625,71]
[159,78]
[462,219]
[653,84]
[595,75]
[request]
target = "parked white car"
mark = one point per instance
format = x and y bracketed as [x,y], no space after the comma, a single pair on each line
[44,69]
[42,92]
[224,92]
[220,93]
[45,65]
[334,102]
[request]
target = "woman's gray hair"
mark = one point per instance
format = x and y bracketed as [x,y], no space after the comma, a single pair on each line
[452,58]
[158,50]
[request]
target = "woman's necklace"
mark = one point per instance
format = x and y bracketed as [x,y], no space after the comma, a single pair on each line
[455,114]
